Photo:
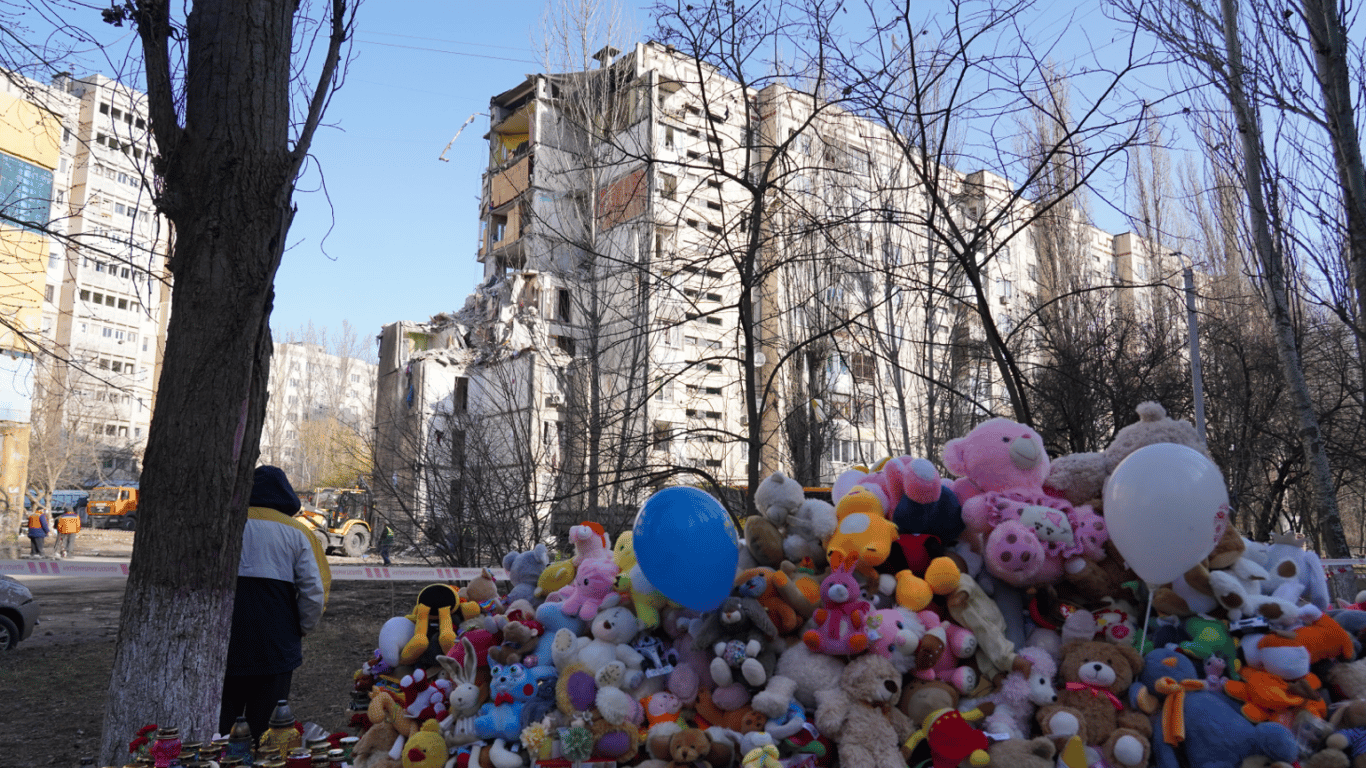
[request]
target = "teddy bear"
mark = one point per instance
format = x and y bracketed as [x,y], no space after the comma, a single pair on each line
[1021,753]
[763,541]
[1080,477]
[1096,676]
[740,637]
[683,747]
[861,715]
[432,619]
[805,522]
[524,569]
[594,580]
[646,600]
[519,642]
[1026,536]
[480,596]
[608,645]
[1293,572]
[940,651]
[779,595]
[1197,723]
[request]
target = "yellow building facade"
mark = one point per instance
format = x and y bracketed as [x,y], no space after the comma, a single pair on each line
[30,155]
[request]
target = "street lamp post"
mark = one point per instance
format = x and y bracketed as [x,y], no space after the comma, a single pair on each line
[1193,332]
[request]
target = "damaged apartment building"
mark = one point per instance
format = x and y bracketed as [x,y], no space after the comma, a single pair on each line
[657,242]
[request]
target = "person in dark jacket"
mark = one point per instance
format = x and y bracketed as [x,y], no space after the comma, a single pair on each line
[37,531]
[282,585]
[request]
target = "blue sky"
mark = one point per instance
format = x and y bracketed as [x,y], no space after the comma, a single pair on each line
[385,230]
[395,236]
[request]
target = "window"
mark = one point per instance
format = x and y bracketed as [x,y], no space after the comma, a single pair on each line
[713,320]
[565,344]
[563,305]
[862,367]
[107,332]
[85,295]
[99,266]
[123,303]
[669,334]
[460,398]
[669,139]
[714,367]
[47,293]
[53,260]
[355,378]
[104,108]
[109,300]
[664,390]
[668,186]
[124,273]
[663,436]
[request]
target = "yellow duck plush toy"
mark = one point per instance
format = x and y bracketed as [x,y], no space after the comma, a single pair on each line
[426,748]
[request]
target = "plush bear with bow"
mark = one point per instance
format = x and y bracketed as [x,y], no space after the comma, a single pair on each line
[1096,676]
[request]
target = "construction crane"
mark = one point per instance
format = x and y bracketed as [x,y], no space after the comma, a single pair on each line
[464,125]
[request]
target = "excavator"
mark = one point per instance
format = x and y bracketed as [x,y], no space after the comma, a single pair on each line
[340,518]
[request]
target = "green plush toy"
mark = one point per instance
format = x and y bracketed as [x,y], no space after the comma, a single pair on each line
[1210,637]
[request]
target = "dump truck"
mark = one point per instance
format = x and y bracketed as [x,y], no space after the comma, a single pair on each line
[113,506]
[340,518]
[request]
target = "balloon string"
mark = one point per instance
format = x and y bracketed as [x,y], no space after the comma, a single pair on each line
[1147,616]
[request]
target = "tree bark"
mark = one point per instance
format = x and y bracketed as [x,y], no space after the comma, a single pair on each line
[228,177]
[1277,301]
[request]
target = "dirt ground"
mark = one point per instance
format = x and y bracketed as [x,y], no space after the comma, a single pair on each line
[53,685]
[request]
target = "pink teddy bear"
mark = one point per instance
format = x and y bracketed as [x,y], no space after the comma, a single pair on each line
[1026,536]
[954,644]
[592,583]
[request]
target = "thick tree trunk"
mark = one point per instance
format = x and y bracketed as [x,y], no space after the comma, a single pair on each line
[228,177]
[1277,300]
[1329,41]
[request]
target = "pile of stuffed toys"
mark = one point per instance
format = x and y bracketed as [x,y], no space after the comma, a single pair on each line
[987,620]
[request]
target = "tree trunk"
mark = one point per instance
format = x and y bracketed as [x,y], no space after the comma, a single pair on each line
[1277,301]
[228,177]
[1329,41]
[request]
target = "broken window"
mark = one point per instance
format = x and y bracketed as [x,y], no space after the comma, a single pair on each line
[563,306]
[460,399]
[668,186]
[663,436]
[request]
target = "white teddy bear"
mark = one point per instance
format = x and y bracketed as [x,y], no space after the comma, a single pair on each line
[805,522]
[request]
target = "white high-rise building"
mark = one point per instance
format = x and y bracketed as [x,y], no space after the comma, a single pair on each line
[634,281]
[108,295]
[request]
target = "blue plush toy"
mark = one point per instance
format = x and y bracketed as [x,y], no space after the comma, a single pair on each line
[1209,729]
[524,570]
[553,618]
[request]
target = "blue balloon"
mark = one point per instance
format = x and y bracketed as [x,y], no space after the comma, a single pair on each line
[687,546]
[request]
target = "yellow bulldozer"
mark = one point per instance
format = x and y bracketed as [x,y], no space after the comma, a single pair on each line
[340,518]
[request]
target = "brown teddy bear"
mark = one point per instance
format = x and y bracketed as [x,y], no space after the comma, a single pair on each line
[1019,753]
[1096,677]
[861,715]
[1080,477]
[675,747]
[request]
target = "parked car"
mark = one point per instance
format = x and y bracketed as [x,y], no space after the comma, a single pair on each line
[18,612]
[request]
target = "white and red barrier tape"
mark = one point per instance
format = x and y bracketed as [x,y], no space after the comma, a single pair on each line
[119,569]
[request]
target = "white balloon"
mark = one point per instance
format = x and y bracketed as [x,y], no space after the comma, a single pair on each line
[1165,507]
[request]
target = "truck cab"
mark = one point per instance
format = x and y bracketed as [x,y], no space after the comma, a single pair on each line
[113,507]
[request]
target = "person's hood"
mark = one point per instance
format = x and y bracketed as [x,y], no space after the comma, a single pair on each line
[271,489]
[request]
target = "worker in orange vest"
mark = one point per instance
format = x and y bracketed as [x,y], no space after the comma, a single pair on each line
[37,530]
[68,525]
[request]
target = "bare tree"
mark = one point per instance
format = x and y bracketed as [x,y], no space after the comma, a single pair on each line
[232,128]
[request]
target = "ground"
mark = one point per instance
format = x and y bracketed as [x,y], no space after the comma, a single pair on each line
[53,685]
